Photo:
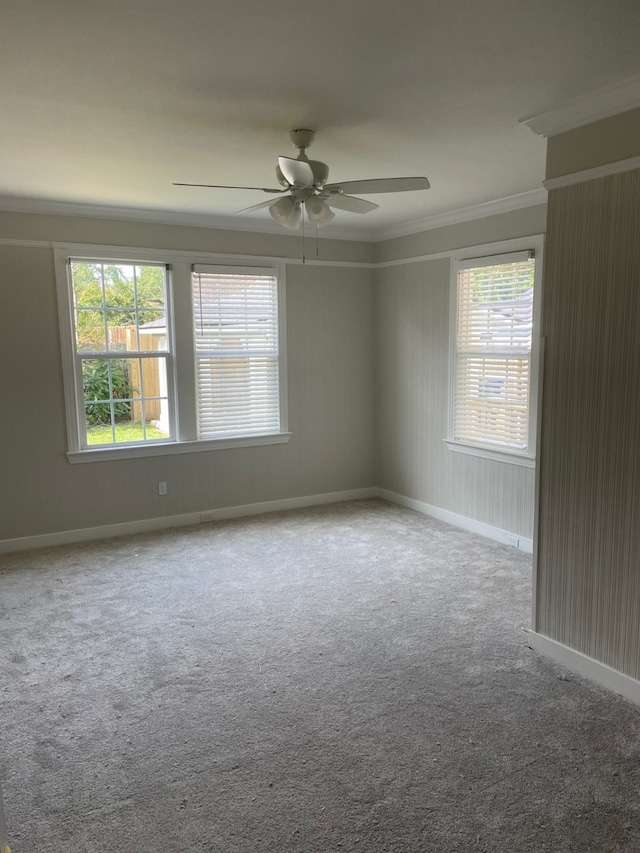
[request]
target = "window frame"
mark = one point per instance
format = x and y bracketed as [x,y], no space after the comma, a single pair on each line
[181,364]
[485,255]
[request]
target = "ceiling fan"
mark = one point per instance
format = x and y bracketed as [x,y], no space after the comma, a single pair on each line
[305,185]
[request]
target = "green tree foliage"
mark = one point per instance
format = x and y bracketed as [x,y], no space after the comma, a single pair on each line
[95,380]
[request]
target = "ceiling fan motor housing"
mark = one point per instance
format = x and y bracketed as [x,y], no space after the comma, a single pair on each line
[301,137]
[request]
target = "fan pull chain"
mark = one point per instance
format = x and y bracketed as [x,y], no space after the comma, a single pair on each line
[317,243]
[304,259]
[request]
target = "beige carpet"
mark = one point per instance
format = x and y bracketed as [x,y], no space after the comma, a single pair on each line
[344,678]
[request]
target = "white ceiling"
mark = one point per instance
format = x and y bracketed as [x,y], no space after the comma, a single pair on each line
[106,102]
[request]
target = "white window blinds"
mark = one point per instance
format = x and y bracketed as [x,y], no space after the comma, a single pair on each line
[235,313]
[493,351]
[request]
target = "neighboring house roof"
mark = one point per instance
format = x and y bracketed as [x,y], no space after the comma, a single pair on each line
[160,324]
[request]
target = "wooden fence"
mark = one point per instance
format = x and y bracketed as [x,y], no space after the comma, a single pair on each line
[143,373]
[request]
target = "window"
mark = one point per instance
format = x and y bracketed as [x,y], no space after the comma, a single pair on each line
[236,346]
[493,356]
[121,351]
[167,356]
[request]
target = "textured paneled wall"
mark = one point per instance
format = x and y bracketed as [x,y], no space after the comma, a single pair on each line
[589,516]
[412,347]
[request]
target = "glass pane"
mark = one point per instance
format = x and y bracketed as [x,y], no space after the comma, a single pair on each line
[89,330]
[150,287]
[154,417]
[150,405]
[122,330]
[134,373]
[153,330]
[237,396]
[235,312]
[87,284]
[119,287]
[95,380]
[124,296]
[120,308]
[126,400]
[99,423]
[122,389]
[106,379]
[495,306]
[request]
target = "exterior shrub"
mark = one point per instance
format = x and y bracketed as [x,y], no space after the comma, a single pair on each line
[95,378]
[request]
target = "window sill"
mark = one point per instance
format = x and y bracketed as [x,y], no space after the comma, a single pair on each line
[508,456]
[169,448]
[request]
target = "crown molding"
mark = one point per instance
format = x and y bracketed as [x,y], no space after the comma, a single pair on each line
[608,101]
[465,214]
[18,204]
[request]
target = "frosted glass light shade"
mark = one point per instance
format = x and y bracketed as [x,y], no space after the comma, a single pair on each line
[286,212]
[319,213]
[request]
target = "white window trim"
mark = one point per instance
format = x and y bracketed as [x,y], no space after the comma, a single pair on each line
[180,264]
[131,451]
[479,256]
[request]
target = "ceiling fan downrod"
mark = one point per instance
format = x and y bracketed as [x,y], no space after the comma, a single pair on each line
[301,138]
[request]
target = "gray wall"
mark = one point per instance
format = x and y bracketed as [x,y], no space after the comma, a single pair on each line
[589,523]
[609,140]
[341,420]
[488,229]
[331,390]
[412,351]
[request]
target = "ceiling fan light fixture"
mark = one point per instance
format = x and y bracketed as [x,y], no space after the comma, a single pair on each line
[286,212]
[319,213]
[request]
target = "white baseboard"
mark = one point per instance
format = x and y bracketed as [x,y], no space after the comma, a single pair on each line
[63,537]
[588,667]
[288,503]
[497,533]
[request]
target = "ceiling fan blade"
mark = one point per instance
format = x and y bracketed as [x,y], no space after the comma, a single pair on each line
[350,203]
[297,172]
[381,185]
[260,206]
[225,187]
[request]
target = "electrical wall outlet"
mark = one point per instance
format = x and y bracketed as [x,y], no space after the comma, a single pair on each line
[162,488]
